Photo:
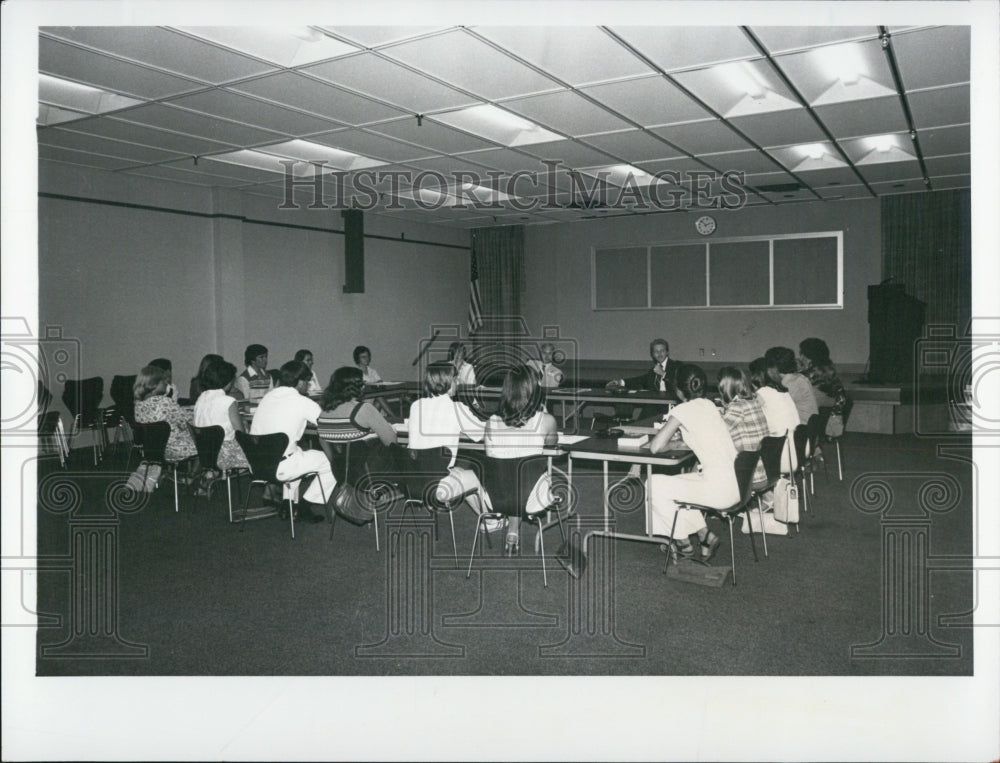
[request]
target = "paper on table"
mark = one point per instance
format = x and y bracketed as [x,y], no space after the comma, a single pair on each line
[571,439]
[633,442]
[387,384]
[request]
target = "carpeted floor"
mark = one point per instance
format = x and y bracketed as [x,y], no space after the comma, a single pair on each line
[147,591]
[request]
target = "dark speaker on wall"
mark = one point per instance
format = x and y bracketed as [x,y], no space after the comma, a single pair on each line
[354,251]
[896,322]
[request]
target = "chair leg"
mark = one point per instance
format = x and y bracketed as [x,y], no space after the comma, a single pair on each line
[760,515]
[753,543]
[177,504]
[291,516]
[246,503]
[454,543]
[840,470]
[732,546]
[541,542]
[229,494]
[475,540]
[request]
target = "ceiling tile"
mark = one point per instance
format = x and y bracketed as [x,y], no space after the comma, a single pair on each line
[780,39]
[471,64]
[505,159]
[899,186]
[575,54]
[943,141]
[948,165]
[745,87]
[831,177]
[149,136]
[567,112]
[78,64]
[648,101]
[251,111]
[168,50]
[227,173]
[845,192]
[781,128]
[951,181]
[371,145]
[681,166]
[76,141]
[932,57]
[285,46]
[388,81]
[431,135]
[890,172]
[570,153]
[673,48]
[703,137]
[750,162]
[165,172]
[871,117]
[939,106]
[190,123]
[818,73]
[632,146]
[310,95]
[84,158]
[374,36]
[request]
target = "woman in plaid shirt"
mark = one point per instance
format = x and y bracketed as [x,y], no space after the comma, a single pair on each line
[743,414]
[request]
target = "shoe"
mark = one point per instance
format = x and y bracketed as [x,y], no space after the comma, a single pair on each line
[681,550]
[490,525]
[282,510]
[709,546]
[510,546]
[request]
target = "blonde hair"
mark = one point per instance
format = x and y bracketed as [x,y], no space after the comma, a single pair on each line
[439,378]
[147,381]
[733,384]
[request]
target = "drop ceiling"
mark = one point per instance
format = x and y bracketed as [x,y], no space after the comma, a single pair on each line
[824,113]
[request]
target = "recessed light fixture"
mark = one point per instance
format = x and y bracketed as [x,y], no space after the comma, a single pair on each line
[812,151]
[307,156]
[496,124]
[849,73]
[61,100]
[882,149]
[756,93]
[809,156]
[621,174]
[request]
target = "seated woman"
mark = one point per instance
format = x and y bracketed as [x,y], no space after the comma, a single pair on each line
[152,404]
[216,407]
[815,364]
[196,386]
[715,485]
[522,428]
[465,373]
[783,369]
[435,425]
[344,399]
[743,414]
[779,408]
[167,367]
[306,356]
[363,359]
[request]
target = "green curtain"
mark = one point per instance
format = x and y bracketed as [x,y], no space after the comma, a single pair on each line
[499,256]
[927,245]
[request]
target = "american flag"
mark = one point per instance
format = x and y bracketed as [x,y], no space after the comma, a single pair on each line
[475,306]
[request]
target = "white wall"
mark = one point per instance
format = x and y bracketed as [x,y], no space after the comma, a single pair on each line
[559,288]
[133,284]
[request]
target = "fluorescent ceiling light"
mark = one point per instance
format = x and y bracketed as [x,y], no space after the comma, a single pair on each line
[307,151]
[755,92]
[498,125]
[271,159]
[847,68]
[809,156]
[283,45]
[61,100]
[622,174]
[882,149]
[812,150]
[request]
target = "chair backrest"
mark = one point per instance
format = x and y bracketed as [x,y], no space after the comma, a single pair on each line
[208,442]
[347,463]
[123,391]
[153,438]
[423,470]
[745,464]
[816,428]
[509,481]
[770,454]
[83,397]
[264,452]
[800,437]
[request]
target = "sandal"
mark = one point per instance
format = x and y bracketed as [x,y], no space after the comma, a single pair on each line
[709,546]
[510,546]
[681,550]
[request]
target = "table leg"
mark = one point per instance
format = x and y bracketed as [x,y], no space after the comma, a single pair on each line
[606,505]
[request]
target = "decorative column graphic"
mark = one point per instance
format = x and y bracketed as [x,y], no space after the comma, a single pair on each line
[590,630]
[93,565]
[409,605]
[906,561]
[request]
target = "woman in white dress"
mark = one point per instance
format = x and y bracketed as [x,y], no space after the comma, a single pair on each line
[779,408]
[436,423]
[216,407]
[703,429]
[522,428]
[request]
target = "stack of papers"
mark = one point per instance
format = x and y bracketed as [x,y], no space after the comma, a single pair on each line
[633,442]
[634,431]
[571,439]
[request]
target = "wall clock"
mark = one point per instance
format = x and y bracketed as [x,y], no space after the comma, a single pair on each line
[705,225]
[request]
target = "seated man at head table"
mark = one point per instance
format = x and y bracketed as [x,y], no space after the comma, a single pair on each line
[287,409]
[549,375]
[662,377]
[254,382]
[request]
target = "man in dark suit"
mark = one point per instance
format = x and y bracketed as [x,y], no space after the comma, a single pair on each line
[662,377]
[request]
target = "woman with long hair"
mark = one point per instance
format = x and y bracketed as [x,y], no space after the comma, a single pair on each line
[704,431]
[815,364]
[779,408]
[520,428]
[196,386]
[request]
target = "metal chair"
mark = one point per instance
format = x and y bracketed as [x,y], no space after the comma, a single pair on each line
[121,415]
[82,398]
[336,437]
[510,482]
[208,441]
[770,456]
[52,436]
[744,467]
[264,453]
[154,437]
[825,438]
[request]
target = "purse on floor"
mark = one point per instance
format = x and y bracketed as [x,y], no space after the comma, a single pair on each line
[346,503]
[786,501]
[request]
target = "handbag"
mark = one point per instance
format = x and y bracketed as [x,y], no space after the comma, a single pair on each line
[835,425]
[786,501]
[346,504]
